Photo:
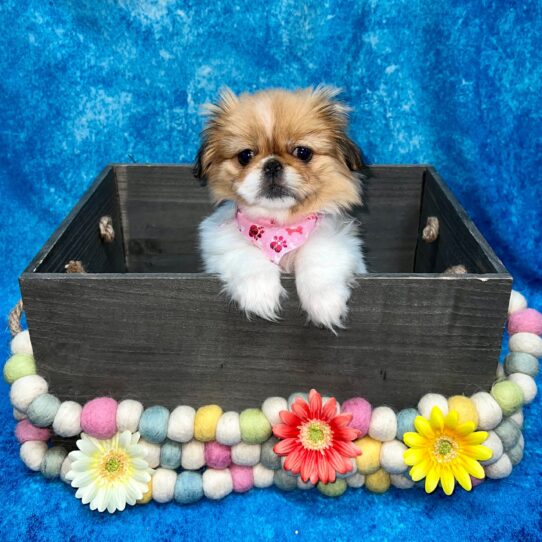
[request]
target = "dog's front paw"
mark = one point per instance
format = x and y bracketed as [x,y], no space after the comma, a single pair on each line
[259,295]
[326,306]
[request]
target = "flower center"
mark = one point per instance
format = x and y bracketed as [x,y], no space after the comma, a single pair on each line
[444,449]
[315,435]
[113,464]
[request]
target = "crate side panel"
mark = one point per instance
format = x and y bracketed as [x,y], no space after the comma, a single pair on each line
[80,239]
[459,242]
[177,341]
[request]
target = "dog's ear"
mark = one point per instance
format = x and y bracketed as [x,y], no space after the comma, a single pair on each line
[201,165]
[351,153]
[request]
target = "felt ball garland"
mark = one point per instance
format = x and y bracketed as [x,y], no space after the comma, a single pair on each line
[210,453]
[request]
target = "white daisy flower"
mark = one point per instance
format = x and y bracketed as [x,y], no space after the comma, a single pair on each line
[109,473]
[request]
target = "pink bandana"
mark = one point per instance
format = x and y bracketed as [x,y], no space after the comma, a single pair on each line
[272,239]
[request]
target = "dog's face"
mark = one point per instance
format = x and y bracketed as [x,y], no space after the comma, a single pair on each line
[280,153]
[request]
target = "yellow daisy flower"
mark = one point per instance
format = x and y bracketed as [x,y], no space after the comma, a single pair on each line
[444,450]
[109,474]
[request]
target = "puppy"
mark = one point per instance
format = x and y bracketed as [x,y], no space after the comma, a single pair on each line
[285,170]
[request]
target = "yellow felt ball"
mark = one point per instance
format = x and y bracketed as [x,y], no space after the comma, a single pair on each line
[205,422]
[369,460]
[465,408]
[147,496]
[378,482]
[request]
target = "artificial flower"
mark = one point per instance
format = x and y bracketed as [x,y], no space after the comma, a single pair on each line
[109,473]
[443,450]
[317,441]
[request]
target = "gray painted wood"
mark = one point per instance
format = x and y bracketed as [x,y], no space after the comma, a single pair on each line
[171,338]
[175,340]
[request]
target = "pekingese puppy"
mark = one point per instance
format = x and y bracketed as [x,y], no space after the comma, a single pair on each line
[285,169]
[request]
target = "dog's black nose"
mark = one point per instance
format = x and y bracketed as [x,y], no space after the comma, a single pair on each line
[272,168]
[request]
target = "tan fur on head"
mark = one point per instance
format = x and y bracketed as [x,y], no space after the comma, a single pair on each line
[272,124]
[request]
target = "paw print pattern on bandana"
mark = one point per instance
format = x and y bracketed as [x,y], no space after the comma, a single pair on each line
[256,232]
[278,243]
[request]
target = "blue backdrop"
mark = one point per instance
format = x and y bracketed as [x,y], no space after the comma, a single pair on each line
[455,83]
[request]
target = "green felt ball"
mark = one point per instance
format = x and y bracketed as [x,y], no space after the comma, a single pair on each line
[508,396]
[255,427]
[515,454]
[52,462]
[520,362]
[509,432]
[17,366]
[295,395]
[284,481]
[43,409]
[333,489]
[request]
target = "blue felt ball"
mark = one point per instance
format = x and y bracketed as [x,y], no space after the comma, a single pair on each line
[153,424]
[295,395]
[188,487]
[42,410]
[509,432]
[170,455]
[405,421]
[520,362]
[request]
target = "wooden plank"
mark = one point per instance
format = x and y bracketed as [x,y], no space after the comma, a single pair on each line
[172,339]
[162,207]
[459,241]
[78,236]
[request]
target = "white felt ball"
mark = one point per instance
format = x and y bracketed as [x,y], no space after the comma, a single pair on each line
[401,481]
[20,344]
[500,371]
[489,411]
[430,400]
[228,429]
[271,408]
[518,417]
[18,415]
[25,389]
[193,455]
[500,469]
[526,342]
[527,385]
[304,485]
[128,415]
[337,404]
[32,453]
[517,302]
[391,457]
[163,485]
[217,483]
[494,443]
[246,455]
[181,424]
[67,422]
[521,441]
[356,481]
[263,477]
[152,453]
[383,424]
[65,468]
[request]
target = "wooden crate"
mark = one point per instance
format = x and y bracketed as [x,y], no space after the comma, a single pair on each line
[145,323]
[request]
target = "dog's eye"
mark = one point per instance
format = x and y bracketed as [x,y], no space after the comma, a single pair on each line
[245,156]
[303,153]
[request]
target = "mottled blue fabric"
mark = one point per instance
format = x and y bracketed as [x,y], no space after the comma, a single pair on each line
[456,84]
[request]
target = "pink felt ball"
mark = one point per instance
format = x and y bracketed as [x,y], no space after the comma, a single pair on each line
[25,431]
[526,321]
[217,456]
[242,477]
[99,417]
[361,410]
[476,481]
